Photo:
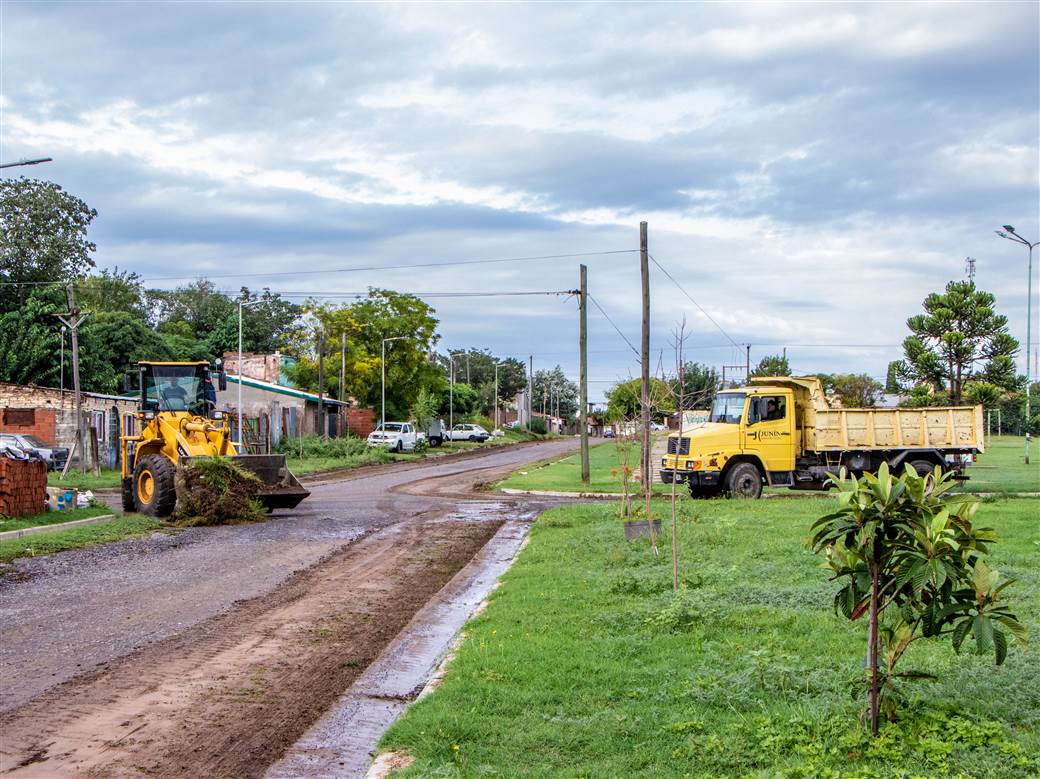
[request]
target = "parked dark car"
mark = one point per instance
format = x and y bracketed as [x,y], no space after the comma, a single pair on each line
[54,456]
[608,433]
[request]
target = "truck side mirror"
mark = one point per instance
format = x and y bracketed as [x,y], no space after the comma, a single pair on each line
[126,383]
[222,380]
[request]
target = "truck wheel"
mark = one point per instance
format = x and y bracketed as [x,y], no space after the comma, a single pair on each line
[400,446]
[436,441]
[744,481]
[154,490]
[925,468]
[129,504]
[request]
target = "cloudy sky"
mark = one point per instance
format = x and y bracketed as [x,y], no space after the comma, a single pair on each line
[809,172]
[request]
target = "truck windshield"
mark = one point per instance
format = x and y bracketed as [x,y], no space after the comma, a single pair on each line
[728,408]
[391,427]
[175,387]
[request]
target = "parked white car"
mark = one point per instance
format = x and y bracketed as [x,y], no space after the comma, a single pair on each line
[395,436]
[468,433]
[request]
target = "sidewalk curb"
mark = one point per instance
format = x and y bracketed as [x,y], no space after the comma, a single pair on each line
[10,535]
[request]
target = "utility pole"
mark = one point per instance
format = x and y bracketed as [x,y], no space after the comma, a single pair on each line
[583,373]
[342,364]
[530,390]
[321,384]
[470,383]
[73,321]
[451,391]
[644,275]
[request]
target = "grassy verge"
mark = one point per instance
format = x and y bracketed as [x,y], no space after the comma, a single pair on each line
[564,474]
[129,526]
[585,664]
[51,518]
[1002,467]
[85,481]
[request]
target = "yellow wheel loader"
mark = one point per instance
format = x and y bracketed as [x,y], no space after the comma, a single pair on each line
[177,419]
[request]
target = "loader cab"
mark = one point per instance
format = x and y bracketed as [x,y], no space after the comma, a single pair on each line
[173,387]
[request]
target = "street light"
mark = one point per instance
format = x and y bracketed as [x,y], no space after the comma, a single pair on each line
[27,162]
[1009,234]
[382,370]
[241,304]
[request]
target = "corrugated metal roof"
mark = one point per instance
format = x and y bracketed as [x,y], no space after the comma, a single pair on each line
[282,390]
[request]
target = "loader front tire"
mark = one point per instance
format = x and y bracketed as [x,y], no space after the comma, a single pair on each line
[155,492]
[129,502]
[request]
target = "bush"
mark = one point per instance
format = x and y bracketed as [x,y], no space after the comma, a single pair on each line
[538,426]
[216,491]
[314,446]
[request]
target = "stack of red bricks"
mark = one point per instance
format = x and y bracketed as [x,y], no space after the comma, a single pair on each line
[23,487]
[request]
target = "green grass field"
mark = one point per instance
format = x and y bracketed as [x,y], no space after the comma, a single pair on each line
[1002,467]
[584,664]
[51,518]
[564,474]
[74,480]
[129,526]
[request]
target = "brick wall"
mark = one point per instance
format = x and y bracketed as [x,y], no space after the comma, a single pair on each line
[361,421]
[23,487]
[40,422]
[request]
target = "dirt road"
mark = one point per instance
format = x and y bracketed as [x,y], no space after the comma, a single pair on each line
[210,652]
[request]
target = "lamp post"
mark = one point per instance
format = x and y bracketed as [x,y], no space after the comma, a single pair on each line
[241,304]
[36,161]
[382,370]
[1009,234]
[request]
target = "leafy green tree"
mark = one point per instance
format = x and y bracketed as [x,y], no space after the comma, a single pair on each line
[892,384]
[461,402]
[43,237]
[960,338]
[112,291]
[773,365]
[909,557]
[550,384]
[624,400]
[983,393]
[424,408]
[856,390]
[199,305]
[700,383]
[267,324]
[112,342]
[30,339]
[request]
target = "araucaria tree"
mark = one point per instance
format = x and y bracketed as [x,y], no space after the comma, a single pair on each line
[910,559]
[960,338]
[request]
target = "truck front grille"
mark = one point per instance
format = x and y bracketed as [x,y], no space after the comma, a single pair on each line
[683,445]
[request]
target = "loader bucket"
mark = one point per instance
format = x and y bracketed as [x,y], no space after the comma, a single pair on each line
[281,489]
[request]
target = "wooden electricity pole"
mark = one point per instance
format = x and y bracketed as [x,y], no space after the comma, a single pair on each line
[321,384]
[583,373]
[73,321]
[644,275]
[530,391]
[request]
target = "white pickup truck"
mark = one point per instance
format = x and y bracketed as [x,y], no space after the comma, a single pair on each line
[395,436]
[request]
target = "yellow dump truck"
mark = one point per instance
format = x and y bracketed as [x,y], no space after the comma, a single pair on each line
[780,431]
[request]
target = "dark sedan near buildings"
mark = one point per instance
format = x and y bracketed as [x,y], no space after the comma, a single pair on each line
[54,456]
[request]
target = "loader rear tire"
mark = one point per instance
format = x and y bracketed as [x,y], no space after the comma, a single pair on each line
[155,492]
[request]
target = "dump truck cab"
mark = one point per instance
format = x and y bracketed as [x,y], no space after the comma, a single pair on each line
[177,419]
[781,431]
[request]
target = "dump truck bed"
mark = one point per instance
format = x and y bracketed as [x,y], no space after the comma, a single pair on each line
[952,427]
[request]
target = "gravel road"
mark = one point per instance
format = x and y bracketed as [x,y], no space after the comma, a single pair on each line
[79,611]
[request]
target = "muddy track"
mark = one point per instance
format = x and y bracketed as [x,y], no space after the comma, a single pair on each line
[229,696]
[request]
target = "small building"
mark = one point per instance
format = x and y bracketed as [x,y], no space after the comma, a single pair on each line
[272,412]
[50,414]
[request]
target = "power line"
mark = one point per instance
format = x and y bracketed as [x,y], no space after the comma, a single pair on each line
[448,294]
[607,317]
[355,269]
[690,297]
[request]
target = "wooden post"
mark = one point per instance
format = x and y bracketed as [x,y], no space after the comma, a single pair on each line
[644,275]
[73,321]
[321,385]
[583,373]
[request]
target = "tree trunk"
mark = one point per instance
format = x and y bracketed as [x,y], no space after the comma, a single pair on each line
[872,644]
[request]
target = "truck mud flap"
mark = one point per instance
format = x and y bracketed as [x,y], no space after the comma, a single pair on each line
[281,489]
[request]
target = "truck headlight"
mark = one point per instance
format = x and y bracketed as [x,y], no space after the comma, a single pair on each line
[664,462]
[693,465]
